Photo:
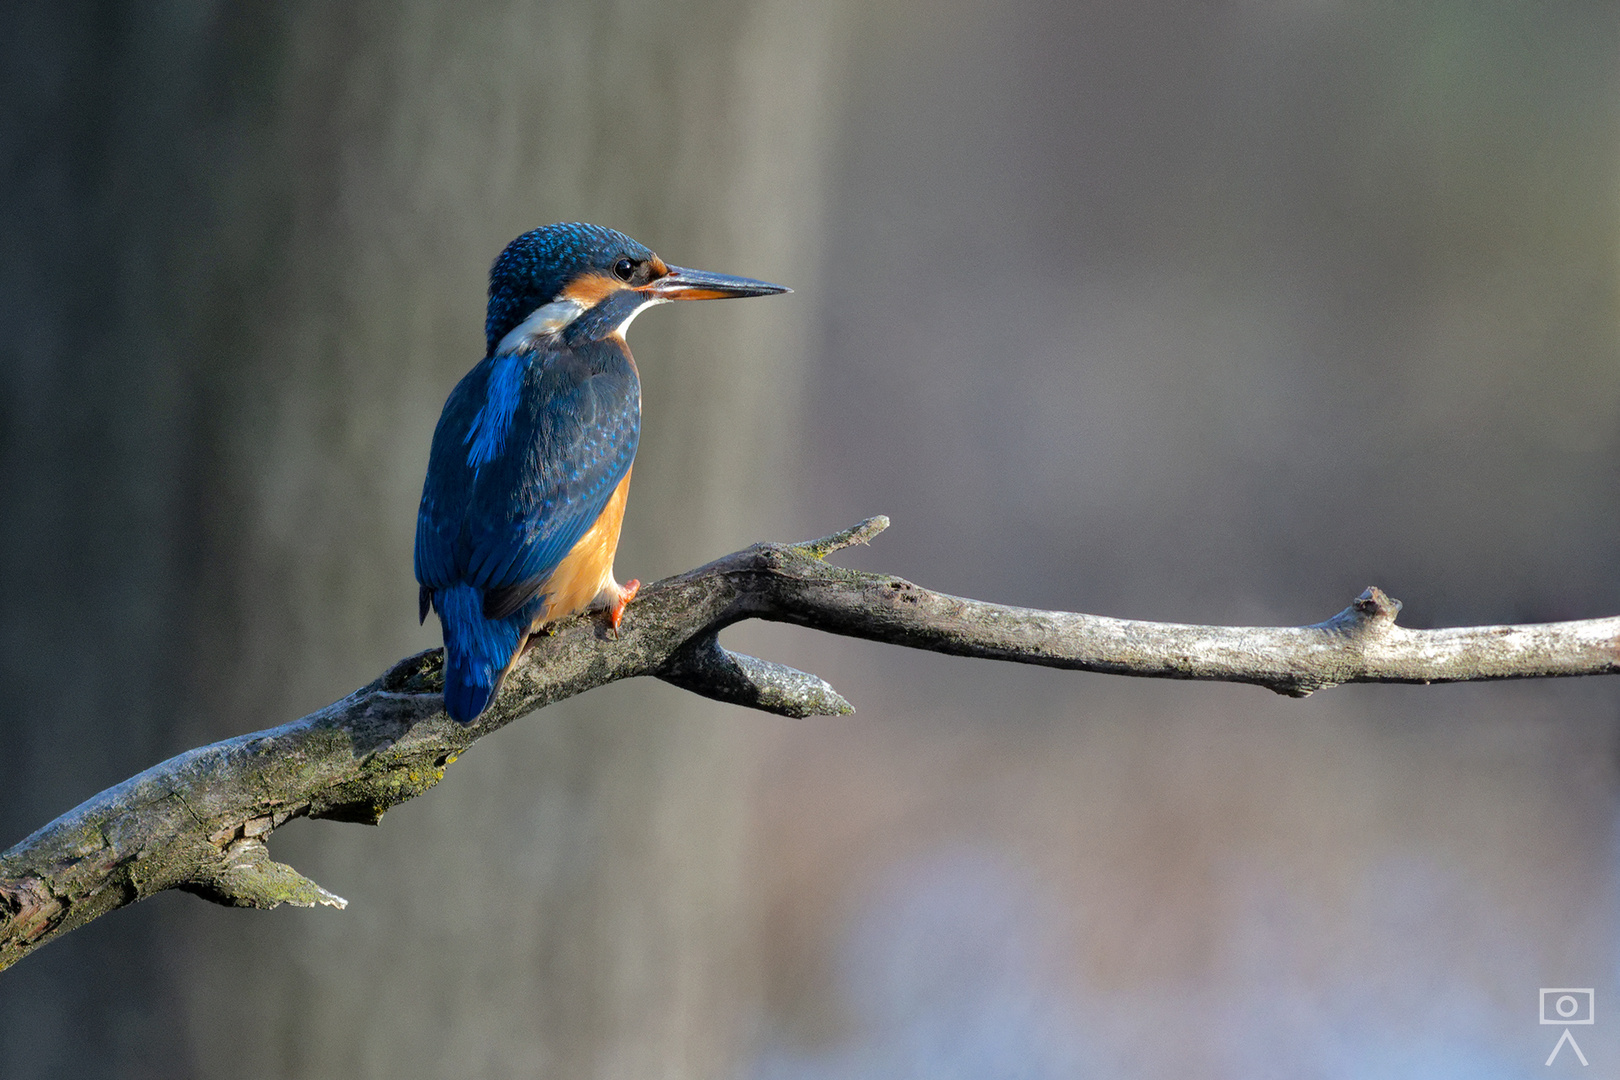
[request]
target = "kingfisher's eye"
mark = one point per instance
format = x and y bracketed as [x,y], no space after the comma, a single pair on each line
[623,269]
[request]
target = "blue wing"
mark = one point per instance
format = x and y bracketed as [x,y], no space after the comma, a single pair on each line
[526,455]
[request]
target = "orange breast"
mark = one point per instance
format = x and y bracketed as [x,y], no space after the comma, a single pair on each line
[588,566]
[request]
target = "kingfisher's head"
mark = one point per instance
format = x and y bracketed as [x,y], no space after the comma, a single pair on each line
[592,280]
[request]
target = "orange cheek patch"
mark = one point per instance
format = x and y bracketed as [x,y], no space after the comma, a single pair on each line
[592,289]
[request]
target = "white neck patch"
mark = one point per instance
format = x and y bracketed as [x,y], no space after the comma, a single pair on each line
[651,301]
[545,321]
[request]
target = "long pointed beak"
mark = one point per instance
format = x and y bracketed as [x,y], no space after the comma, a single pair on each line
[684,284]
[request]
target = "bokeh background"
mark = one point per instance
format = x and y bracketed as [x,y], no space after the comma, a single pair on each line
[1211,312]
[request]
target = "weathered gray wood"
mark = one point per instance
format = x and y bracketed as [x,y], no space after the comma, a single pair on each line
[199,821]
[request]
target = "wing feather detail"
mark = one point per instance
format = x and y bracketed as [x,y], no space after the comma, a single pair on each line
[502,523]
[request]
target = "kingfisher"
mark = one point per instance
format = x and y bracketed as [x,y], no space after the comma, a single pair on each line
[530,466]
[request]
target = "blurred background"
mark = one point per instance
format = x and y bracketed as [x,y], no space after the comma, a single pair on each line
[1189,311]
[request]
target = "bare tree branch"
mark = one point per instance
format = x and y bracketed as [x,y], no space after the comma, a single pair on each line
[199,821]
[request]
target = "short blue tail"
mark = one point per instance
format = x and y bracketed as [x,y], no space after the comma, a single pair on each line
[476,650]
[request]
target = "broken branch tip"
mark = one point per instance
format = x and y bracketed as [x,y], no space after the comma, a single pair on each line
[858,534]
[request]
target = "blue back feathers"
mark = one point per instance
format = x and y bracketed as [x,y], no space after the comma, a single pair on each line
[499,511]
[486,436]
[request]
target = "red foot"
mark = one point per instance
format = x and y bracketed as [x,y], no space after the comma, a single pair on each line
[615,611]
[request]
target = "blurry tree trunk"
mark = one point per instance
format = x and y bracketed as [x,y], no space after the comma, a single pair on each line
[243,263]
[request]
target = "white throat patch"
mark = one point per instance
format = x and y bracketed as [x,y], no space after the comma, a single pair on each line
[651,301]
[545,321]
